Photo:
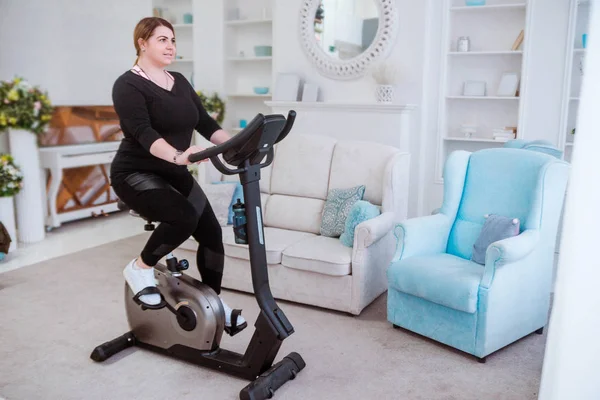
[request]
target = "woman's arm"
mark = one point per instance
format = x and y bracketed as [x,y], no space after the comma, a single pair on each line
[220,136]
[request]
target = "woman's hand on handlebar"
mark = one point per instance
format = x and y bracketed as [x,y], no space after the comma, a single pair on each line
[182,159]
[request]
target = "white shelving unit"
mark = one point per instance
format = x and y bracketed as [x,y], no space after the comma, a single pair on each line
[173,11]
[575,68]
[246,25]
[492,30]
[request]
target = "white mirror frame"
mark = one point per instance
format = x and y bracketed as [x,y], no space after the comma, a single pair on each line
[356,66]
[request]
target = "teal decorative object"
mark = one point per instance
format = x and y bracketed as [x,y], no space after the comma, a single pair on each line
[361,211]
[188,18]
[261,90]
[475,2]
[337,207]
[263,51]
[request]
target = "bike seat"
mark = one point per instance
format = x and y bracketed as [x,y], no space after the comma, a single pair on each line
[124,207]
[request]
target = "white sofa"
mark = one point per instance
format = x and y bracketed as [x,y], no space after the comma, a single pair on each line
[304,266]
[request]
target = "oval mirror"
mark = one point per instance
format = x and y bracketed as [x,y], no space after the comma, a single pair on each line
[344,37]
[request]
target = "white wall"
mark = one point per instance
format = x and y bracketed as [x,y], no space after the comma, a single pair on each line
[74,50]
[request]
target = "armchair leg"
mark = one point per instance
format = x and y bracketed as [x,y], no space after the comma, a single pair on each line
[481,360]
[540,331]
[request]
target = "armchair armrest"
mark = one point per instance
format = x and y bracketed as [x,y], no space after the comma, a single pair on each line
[370,231]
[508,251]
[422,235]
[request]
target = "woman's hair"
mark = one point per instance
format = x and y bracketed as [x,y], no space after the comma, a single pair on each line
[145,28]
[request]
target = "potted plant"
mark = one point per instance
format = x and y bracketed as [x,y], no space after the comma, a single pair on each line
[25,112]
[11,183]
[214,105]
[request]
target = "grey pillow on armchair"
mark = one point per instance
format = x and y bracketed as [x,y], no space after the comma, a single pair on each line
[496,227]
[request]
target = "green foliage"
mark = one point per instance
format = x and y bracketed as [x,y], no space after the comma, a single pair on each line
[214,105]
[11,179]
[23,106]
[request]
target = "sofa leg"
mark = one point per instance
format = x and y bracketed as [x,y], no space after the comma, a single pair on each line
[540,331]
[396,326]
[481,360]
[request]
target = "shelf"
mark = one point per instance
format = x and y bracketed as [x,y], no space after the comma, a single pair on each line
[569,144]
[183,60]
[579,51]
[249,95]
[269,58]
[176,26]
[357,107]
[482,98]
[486,53]
[248,22]
[490,7]
[574,98]
[474,140]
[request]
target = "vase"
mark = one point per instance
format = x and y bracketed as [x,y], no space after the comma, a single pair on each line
[385,93]
[7,217]
[29,201]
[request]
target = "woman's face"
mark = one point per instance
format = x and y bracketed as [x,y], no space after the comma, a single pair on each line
[160,47]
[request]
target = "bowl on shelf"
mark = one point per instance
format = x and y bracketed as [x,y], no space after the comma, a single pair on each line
[263,51]
[261,89]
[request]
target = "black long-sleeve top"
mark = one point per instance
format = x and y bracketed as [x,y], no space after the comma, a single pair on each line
[148,112]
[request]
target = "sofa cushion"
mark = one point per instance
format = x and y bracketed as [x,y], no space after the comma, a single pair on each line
[301,166]
[320,254]
[444,279]
[294,213]
[337,207]
[361,163]
[276,240]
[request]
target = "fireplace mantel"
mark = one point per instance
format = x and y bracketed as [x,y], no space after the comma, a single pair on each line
[379,122]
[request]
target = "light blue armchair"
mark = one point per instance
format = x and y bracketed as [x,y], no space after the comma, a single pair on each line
[434,289]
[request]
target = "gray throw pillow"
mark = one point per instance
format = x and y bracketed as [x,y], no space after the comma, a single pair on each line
[337,207]
[496,227]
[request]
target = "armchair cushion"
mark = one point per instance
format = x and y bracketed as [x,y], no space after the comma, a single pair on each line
[495,228]
[444,279]
[320,254]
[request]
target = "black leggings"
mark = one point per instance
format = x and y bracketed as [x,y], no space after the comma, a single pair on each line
[182,210]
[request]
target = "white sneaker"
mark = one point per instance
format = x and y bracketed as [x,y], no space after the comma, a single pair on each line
[139,278]
[228,312]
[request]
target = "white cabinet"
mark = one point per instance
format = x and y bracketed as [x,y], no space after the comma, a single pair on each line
[248,55]
[574,71]
[473,107]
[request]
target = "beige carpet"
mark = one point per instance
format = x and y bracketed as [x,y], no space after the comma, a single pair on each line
[54,313]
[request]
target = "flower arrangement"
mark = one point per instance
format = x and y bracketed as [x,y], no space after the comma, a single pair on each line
[384,73]
[23,106]
[11,179]
[214,105]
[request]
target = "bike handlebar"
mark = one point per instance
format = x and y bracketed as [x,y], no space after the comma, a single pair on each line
[242,137]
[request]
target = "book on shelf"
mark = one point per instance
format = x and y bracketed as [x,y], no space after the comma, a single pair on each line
[503,134]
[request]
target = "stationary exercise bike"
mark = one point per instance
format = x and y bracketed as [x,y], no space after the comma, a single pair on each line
[189,321]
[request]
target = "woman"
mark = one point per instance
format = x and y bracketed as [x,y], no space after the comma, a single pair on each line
[158,112]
